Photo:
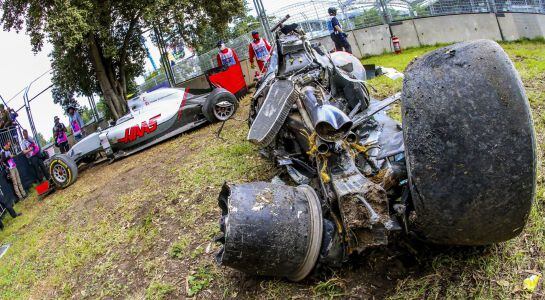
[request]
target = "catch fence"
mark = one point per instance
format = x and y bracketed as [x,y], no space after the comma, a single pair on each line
[14,136]
[197,65]
[312,16]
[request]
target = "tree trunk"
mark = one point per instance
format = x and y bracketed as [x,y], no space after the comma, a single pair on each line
[108,84]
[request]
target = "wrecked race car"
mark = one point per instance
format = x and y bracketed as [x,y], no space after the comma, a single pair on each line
[461,170]
[154,117]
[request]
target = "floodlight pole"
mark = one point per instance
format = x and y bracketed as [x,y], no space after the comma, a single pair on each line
[164,57]
[29,114]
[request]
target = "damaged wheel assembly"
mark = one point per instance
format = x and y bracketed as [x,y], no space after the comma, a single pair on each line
[460,171]
[270,229]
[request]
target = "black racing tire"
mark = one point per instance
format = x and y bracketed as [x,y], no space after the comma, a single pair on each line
[470,145]
[220,106]
[63,170]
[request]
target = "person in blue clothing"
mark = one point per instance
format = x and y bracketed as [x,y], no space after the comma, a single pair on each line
[338,36]
[76,123]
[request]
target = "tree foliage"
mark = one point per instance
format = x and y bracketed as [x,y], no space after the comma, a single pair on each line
[97,46]
[241,24]
[40,139]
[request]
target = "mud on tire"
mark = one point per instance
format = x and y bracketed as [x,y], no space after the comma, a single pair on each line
[470,145]
[63,170]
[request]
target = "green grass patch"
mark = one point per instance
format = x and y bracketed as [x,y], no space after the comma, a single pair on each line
[199,281]
[159,291]
[180,248]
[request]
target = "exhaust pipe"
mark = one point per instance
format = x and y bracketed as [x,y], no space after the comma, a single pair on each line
[331,124]
[352,137]
[323,147]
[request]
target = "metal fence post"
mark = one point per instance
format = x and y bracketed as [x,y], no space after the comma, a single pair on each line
[164,56]
[492,6]
[262,15]
[29,114]
[385,13]
[494,10]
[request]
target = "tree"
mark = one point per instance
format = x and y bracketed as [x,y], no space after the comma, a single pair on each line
[40,139]
[86,114]
[104,110]
[97,45]
[241,24]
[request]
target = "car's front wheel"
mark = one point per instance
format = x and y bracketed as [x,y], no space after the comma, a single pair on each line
[63,170]
[220,106]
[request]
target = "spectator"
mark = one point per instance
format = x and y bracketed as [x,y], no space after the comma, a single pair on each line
[8,159]
[10,210]
[5,119]
[338,36]
[33,153]
[59,135]
[13,115]
[76,123]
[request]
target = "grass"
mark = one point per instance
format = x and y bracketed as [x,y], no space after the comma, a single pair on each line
[199,280]
[497,271]
[159,291]
[143,227]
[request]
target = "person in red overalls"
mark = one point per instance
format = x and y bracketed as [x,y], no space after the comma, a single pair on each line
[259,49]
[226,56]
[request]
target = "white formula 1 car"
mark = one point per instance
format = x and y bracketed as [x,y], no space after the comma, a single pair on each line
[153,117]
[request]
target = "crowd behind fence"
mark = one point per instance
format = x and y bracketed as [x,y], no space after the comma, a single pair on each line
[312,16]
[14,135]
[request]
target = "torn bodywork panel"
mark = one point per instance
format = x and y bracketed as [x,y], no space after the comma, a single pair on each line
[362,174]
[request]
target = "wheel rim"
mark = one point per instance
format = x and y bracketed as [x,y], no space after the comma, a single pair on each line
[60,174]
[224,110]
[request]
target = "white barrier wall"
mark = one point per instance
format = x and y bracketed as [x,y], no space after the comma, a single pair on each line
[516,26]
[457,28]
[444,29]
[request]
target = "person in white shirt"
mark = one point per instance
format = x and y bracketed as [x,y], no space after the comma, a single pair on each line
[33,153]
[8,159]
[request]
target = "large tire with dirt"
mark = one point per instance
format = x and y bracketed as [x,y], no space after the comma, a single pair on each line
[63,170]
[220,105]
[470,145]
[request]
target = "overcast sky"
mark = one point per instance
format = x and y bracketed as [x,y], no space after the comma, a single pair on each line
[19,66]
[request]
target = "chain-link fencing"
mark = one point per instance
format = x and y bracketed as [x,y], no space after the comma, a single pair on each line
[198,64]
[312,16]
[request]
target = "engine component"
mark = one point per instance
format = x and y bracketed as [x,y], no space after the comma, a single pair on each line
[331,124]
[273,113]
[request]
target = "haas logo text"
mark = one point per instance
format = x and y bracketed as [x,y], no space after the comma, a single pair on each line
[138,131]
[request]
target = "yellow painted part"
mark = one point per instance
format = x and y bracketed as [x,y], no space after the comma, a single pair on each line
[323,173]
[359,148]
[312,145]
